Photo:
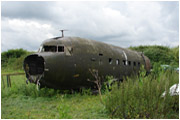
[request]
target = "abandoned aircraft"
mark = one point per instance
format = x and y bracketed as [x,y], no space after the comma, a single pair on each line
[64,62]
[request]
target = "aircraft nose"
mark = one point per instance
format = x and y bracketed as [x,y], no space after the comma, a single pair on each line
[34,67]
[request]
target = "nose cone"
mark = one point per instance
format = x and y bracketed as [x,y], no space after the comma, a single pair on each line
[34,67]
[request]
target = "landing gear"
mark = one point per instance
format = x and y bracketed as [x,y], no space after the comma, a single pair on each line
[38,85]
[27,81]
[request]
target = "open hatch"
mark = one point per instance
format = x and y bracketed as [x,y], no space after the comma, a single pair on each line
[34,67]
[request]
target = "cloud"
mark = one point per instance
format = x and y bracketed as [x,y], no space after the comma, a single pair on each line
[26,10]
[23,34]
[27,24]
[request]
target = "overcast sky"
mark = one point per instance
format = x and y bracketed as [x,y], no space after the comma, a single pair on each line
[26,24]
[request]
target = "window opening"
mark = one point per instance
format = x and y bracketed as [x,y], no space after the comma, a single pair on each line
[134,63]
[100,54]
[60,48]
[129,63]
[138,63]
[50,48]
[117,62]
[124,62]
[110,60]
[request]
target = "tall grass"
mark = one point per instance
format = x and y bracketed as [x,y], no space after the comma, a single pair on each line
[141,97]
[20,88]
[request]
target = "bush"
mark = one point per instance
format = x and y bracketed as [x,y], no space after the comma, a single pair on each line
[162,54]
[140,97]
[12,53]
[13,59]
[175,54]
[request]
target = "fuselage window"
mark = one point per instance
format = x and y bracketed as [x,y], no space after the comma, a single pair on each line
[138,63]
[117,62]
[50,48]
[110,60]
[124,62]
[129,63]
[134,63]
[100,54]
[60,48]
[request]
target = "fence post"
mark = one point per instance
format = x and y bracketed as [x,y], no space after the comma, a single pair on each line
[8,77]
[3,81]
[7,81]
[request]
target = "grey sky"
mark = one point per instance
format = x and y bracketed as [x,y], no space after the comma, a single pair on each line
[26,24]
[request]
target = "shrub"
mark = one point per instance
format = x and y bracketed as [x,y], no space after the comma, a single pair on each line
[12,53]
[175,54]
[13,59]
[140,97]
[162,54]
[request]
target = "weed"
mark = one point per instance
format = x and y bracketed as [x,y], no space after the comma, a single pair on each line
[86,91]
[64,110]
[140,97]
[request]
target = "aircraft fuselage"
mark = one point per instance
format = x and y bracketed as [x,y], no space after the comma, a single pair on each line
[64,62]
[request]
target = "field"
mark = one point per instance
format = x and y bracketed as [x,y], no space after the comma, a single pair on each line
[136,97]
[23,101]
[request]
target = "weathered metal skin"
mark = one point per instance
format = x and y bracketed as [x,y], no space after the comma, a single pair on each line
[70,69]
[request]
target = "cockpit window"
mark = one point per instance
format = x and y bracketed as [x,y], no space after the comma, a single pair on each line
[60,48]
[50,48]
[40,49]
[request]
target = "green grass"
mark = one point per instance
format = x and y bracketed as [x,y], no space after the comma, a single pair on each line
[24,101]
[24,107]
